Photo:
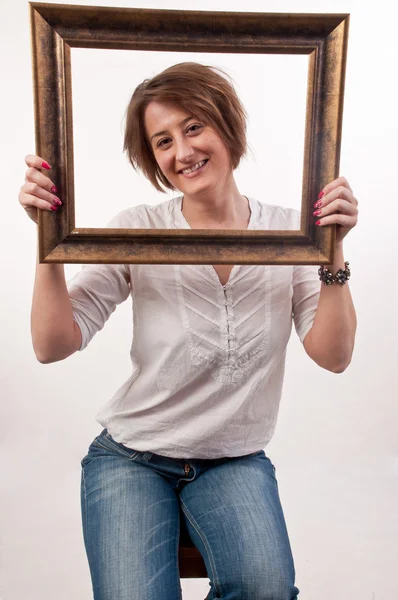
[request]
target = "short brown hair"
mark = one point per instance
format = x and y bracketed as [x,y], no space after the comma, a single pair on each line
[206,92]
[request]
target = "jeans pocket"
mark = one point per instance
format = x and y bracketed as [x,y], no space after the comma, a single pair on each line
[106,442]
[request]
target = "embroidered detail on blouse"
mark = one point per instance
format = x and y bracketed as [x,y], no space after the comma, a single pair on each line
[232,324]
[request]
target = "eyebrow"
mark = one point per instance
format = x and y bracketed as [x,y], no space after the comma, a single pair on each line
[164,132]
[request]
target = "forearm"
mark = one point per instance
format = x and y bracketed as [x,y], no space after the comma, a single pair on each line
[55,335]
[330,342]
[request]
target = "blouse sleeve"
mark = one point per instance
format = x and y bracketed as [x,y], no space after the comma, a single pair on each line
[96,291]
[306,288]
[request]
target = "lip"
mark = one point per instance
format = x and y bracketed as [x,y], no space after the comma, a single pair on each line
[195,173]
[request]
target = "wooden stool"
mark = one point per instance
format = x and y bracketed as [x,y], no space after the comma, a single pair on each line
[190,559]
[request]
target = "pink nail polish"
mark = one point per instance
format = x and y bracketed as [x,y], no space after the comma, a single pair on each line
[318,204]
[318,223]
[54,207]
[57,201]
[317,212]
[321,194]
[45,165]
[54,189]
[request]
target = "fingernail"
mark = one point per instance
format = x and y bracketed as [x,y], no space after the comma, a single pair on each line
[54,189]
[318,223]
[318,204]
[53,207]
[321,194]
[45,165]
[57,201]
[317,212]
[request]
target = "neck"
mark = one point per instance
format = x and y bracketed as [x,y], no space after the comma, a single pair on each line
[223,209]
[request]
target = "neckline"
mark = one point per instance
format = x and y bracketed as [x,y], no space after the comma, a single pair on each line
[181,223]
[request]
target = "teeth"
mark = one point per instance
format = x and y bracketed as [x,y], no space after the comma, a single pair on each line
[194,168]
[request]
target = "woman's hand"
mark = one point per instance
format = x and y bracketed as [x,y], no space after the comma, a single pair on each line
[38,191]
[337,204]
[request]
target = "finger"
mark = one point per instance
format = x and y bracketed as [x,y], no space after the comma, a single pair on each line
[341,193]
[337,206]
[32,160]
[339,182]
[28,201]
[35,176]
[337,219]
[34,190]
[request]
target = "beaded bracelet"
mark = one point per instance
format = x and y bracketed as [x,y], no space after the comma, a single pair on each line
[342,276]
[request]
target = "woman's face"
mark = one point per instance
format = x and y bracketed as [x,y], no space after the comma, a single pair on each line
[190,153]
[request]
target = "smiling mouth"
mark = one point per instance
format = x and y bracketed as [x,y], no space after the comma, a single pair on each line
[194,168]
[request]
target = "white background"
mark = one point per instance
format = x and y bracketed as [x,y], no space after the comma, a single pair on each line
[335,446]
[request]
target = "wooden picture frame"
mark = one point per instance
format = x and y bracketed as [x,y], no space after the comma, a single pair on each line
[57,28]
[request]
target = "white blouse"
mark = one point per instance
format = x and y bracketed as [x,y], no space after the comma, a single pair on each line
[207,359]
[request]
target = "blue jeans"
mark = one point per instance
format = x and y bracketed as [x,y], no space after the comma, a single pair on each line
[131,523]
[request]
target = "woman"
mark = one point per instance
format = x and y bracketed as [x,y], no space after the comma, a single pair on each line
[189,426]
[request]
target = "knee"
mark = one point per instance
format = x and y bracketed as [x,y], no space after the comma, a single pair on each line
[275,589]
[260,586]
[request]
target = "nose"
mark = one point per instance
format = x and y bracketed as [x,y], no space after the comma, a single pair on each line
[184,150]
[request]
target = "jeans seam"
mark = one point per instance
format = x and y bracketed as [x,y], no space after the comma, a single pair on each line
[178,559]
[192,521]
[84,516]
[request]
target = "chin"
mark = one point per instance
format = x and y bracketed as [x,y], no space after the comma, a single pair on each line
[197,191]
[196,188]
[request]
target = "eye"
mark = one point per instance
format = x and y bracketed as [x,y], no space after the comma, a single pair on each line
[163,142]
[194,128]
